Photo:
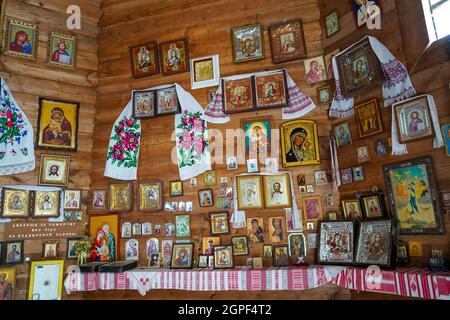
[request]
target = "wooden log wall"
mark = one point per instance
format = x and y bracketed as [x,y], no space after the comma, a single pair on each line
[403,32]
[30,79]
[207,25]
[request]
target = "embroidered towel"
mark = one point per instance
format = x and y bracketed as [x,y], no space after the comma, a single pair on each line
[299,103]
[396,87]
[438,142]
[16,136]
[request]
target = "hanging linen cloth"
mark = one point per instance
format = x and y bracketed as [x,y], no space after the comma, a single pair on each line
[16,136]
[299,103]
[438,142]
[191,137]
[396,86]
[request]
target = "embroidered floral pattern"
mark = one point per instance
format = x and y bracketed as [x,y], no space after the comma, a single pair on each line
[126,137]
[190,134]
[12,123]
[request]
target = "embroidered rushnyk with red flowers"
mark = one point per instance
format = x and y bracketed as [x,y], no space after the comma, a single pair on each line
[16,136]
[125,151]
[190,133]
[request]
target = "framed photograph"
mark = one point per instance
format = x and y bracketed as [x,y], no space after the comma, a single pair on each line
[277,191]
[359,68]
[277,229]
[257,135]
[347,176]
[137,229]
[15,203]
[98,199]
[299,143]
[132,250]
[363,11]
[332,23]
[218,222]
[62,50]
[247,43]
[154,261]
[280,255]
[120,197]
[167,101]
[205,72]
[329,63]
[297,245]
[343,134]
[301,180]
[208,244]
[182,254]
[50,250]
[351,209]
[381,147]
[255,230]
[46,280]
[54,170]
[363,154]
[183,226]
[332,216]
[445,198]
[70,252]
[232,163]
[210,178]
[312,208]
[252,165]
[271,164]
[240,246]
[320,177]
[238,95]
[372,205]
[412,191]
[415,248]
[402,252]
[174,56]
[104,228]
[57,124]
[287,41]
[13,252]
[152,246]
[358,173]
[203,261]
[126,229]
[205,198]
[336,242]
[157,228]
[144,103]
[446,135]
[324,95]
[413,119]
[315,70]
[375,243]
[271,90]
[249,192]
[8,282]
[47,204]
[150,196]
[21,39]
[267,251]
[368,118]
[144,60]
[223,257]
[72,199]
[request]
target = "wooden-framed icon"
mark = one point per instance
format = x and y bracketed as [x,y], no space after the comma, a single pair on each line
[176,188]
[150,196]
[143,103]
[372,205]
[249,192]
[62,50]
[57,124]
[280,255]
[247,43]
[368,118]
[16,203]
[352,209]
[271,90]
[50,250]
[120,196]
[312,208]
[336,242]
[21,39]
[174,56]
[342,134]
[332,23]
[206,198]
[277,191]
[12,252]
[167,101]
[71,252]
[223,257]
[238,95]
[240,245]
[54,170]
[182,256]
[297,245]
[98,200]
[47,204]
[287,41]
[324,94]
[144,59]
[218,222]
